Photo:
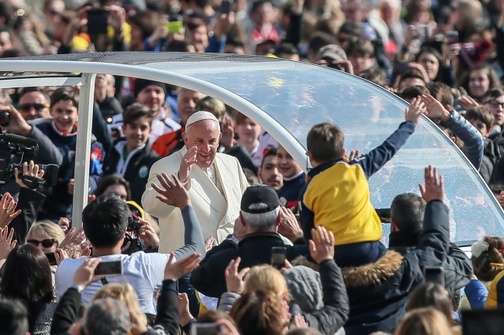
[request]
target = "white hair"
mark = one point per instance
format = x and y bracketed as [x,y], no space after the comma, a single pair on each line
[392,3]
[258,221]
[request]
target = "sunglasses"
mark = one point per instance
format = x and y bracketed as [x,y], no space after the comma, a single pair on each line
[47,243]
[28,107]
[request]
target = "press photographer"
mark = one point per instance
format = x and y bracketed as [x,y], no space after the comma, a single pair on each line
[14,151]
[21,213]
[12,121]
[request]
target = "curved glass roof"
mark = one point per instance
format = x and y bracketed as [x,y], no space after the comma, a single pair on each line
[297,96]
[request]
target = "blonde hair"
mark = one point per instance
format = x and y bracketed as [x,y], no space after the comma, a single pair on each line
[125,293]
[423,321]
[267,278]
[47,228]
[469,12]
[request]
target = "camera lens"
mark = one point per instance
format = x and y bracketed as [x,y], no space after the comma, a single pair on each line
[4,118]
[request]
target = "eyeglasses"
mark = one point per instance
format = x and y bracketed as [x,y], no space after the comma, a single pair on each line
[495,103]
[28,107]
[47,243]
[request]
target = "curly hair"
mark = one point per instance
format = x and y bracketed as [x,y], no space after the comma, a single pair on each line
[491,261]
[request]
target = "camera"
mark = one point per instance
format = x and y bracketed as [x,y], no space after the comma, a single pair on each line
[132,236]
[335,66]
[4,117]
[134,225]
[24,148]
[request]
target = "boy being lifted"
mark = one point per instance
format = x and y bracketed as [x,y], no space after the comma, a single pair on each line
[337,196]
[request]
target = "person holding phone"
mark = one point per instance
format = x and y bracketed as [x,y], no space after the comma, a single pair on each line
[105,222]
[407,214]
[167,317]
[318,297]
[388,282]
[47,236]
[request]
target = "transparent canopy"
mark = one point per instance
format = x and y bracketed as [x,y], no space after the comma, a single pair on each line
[296,96]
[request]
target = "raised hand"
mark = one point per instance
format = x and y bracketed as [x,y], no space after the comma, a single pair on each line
[354,154]
[172,193]
[321,245]
[148,234]
[467,102]
[289,225]
[435,109]
[73,237]
[7,243]
[8,209]
[60,255]
[434,185]
[227,132]
[85,273]
[190,158]
[234,278]
[414,111]
[183,306]
[17,122]
[239,229]
[210,242]
[64,224]
[223,24]
[176,269]
[30,170]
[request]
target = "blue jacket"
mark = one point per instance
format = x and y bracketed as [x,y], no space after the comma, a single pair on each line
[370,163]
[476,293]
[59,200]
[137,170]
[472,138]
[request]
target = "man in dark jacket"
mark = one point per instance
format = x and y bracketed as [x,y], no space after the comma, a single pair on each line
[132,158]
[407,215]
[378,292]
[260,218]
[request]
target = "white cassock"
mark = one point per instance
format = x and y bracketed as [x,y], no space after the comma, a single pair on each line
[215,196]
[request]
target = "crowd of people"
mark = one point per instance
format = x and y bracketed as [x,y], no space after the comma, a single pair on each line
[209,221]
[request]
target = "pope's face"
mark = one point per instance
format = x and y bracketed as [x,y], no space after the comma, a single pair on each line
[204,135]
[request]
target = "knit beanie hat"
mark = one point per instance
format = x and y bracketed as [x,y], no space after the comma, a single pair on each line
[140,84]
[305,288]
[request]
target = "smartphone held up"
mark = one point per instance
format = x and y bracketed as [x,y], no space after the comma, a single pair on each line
[109,268]
[278,256]
[226,6]
[205,329]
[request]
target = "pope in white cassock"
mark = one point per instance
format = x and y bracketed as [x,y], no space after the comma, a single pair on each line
[215,183]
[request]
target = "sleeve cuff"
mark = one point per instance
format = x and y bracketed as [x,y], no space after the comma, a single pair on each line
[169,285]
[77,287]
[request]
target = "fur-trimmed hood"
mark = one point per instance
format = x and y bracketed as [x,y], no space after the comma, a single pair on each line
[375,273]
[372,274]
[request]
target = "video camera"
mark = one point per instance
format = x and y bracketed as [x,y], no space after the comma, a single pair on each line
[11,146]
